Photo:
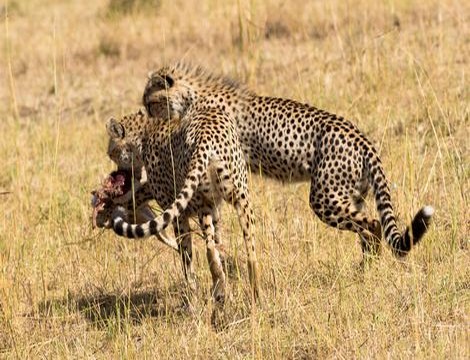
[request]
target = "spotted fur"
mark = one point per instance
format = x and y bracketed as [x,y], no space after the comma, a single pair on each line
[291,141]
[192,165]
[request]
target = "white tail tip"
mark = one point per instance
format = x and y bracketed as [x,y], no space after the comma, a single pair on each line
[428,211]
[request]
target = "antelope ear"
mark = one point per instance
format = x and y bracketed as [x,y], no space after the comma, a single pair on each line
[115,130]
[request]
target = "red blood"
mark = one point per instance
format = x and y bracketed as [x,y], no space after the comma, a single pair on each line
[114,185]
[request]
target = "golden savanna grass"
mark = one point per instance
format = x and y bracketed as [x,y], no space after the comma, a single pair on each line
[397,68]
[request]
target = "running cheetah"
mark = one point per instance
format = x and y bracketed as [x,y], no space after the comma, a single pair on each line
[291,141]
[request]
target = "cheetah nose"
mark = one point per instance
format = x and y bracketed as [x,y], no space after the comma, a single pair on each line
[126,158]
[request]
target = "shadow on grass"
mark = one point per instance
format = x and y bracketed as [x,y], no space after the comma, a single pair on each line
[105,308]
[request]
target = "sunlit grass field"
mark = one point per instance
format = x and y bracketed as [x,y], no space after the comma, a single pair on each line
[397,68]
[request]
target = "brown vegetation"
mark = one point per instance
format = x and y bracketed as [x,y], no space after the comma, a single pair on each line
[398,69]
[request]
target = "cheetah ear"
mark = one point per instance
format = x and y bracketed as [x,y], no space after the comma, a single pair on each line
[159,82]
[115,130]
[169,81]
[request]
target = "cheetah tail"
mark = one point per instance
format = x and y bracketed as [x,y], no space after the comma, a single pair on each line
[414,233]
[401,244]
[159,223]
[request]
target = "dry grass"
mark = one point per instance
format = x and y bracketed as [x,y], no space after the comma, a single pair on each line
[399,69]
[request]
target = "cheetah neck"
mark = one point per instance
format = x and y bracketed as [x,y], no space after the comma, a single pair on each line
[213,90]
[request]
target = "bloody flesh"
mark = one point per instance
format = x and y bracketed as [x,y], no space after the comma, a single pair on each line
[116,184]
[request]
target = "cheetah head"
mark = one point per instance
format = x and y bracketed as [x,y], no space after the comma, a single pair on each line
[120,150]
[124,153]
[165,96]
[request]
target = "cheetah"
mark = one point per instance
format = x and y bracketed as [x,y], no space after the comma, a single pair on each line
[292,141]
[192,165]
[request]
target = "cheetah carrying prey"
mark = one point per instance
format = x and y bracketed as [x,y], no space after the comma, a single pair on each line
[192,165]
[291,141]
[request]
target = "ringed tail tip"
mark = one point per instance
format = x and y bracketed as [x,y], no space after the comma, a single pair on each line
[414,233]
[428,211]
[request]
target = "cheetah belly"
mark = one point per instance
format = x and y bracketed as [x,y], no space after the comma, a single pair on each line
[290,162]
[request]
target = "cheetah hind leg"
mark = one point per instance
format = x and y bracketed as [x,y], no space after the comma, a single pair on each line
[370,243]
[215,265]
[246,219]
[370,240]
[213,256]
[217,238]
[228,261]
[185,244]
[345,213]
